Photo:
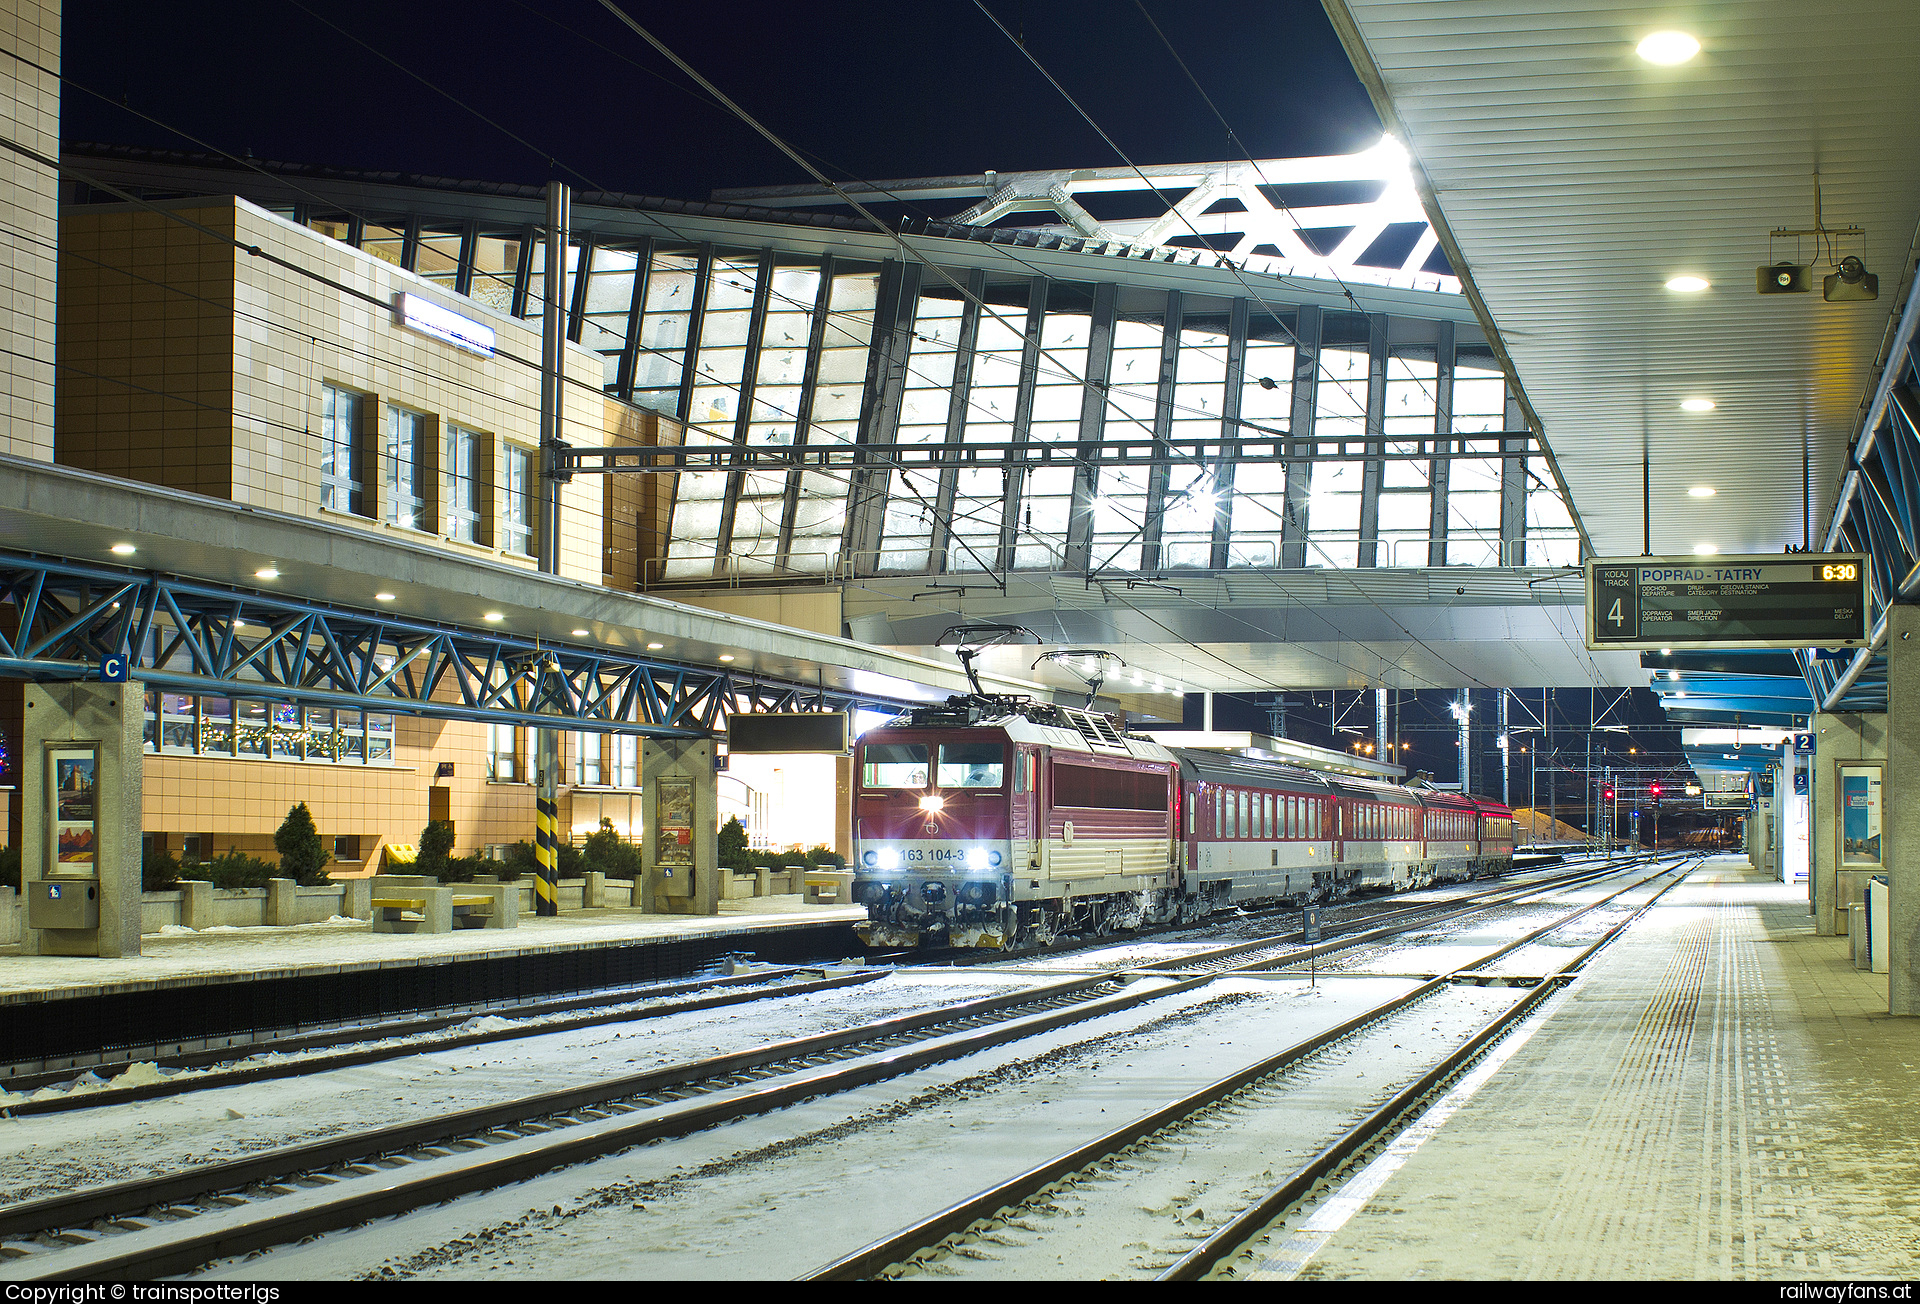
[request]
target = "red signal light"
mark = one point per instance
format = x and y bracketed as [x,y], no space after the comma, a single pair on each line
[1655,791]
[1606,793]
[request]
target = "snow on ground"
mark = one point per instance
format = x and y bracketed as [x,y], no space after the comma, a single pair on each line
[217,953]
[1138,1215]
[779,1194]
[46,1154]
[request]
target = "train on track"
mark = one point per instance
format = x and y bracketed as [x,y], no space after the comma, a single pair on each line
[1003,822]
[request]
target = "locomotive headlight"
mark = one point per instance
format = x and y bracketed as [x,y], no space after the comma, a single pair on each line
[977,858]
[993,858]
[871,859]
[933,802]
[889,858]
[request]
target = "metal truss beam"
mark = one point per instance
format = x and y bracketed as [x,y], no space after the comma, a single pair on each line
[185,636]
[1143,450]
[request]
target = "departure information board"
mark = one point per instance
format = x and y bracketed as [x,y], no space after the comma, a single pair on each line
[1774,600]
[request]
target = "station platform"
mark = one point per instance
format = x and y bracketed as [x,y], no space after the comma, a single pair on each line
[188,989]
[1722,1096]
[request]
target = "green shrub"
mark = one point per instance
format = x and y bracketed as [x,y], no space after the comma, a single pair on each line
[303,855]
[235,868]
[521,862]
[436,849]
[606,852]
[10,867]
[464,869]
[159,871]
[733,845]
[818,856]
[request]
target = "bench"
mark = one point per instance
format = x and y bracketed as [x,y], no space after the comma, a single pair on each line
[409,903]
[824,886]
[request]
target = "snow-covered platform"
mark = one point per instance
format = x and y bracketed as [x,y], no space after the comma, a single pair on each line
[190,986]
[1722,1096]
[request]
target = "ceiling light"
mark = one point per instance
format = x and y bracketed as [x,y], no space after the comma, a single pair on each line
[123,550]
[1666,651]
[1688,284]
[493,617]
[1701,491]
[579,633]
[383,597]
[726,656]
[266,573]
[1705,549]
[1696,405]
[1667,48]
[655,647]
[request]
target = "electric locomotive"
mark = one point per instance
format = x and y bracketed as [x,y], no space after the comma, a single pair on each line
[999,822]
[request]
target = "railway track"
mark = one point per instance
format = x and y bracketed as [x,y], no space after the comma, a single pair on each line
[371,1043]
[174,1222]
[395,1039]
[1008,1224]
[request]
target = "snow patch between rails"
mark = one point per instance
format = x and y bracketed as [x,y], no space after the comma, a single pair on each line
[1285,1261]
[146,1073]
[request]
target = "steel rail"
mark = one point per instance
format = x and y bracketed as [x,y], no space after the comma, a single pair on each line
[874,1257]
[1227,1240]
[370,1055]
[376,1054]
[139,1193]
[512,1161]
[291,1215]
[1505,894]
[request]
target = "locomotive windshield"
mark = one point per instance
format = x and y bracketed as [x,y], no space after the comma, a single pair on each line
[972,765]
[895,765]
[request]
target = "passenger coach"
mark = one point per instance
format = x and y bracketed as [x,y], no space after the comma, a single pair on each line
[1000,821]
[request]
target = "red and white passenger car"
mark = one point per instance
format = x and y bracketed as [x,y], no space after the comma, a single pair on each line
[1001,822]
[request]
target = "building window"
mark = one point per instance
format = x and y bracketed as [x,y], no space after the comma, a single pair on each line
[503,753]
[623,760]
[403,462]
[346,847]
[588,761]
[517,511]
[340,481]
[460,487]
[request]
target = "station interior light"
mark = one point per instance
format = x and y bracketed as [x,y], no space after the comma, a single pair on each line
[1667,48]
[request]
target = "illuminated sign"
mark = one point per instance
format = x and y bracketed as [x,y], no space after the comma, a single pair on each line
[429,318]
[1798,600]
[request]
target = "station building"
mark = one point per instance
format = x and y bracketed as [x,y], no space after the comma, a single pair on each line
[252,334]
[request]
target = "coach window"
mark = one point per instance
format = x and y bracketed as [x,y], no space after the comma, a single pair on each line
[972,765]
[1019,773]
[894,765]
[1213,800]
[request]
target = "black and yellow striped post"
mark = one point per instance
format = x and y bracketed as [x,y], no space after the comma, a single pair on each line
[546,854]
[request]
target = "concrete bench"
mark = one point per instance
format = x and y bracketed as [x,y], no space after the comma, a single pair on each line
[416,903]
[829,887]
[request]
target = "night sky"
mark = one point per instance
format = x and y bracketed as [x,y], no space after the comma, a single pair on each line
[874,90]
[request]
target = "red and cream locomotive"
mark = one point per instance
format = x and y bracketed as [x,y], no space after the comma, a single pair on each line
[998,822]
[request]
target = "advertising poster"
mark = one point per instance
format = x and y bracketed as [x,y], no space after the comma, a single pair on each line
[673,824]
[75,774]
[1859,815]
